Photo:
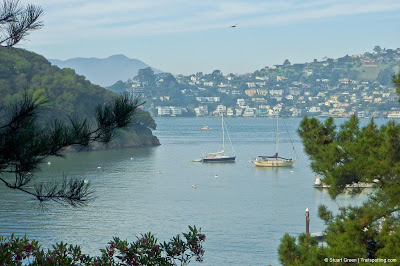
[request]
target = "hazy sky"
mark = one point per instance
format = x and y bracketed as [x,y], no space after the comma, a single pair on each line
[185,37]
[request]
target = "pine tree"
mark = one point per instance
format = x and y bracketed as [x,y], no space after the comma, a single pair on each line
[348,155]
[26,142]
[16,21]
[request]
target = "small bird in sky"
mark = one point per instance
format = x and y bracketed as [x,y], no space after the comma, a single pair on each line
[234,26]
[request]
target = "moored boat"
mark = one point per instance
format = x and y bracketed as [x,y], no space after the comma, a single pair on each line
[318,184]
[220,157]
[275,160]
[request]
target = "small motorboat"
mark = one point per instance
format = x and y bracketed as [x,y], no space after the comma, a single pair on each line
[206,128]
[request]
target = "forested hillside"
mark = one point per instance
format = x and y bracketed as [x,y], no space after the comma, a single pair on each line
[69,94]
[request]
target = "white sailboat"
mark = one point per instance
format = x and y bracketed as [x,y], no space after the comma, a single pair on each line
[220,157]
[275,160]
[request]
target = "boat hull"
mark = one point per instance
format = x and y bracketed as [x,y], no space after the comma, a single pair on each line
[219,159]
[273,163]
[355,185]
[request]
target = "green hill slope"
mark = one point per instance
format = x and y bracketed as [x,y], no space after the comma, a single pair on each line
[69,94]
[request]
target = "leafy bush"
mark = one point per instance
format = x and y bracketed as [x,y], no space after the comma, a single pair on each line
[144,251]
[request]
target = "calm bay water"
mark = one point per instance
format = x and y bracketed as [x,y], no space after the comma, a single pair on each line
[243,210]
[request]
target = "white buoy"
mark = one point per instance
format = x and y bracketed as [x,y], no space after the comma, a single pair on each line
[291,171]
[48,162]
[131,158]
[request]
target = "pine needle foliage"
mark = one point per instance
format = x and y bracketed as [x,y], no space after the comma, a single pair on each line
[346,155]
[17,21]
[25,143]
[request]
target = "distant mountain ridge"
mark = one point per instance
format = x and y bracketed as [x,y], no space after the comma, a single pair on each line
[106,71]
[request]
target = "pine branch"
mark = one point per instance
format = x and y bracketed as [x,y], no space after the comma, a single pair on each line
[74,192]
[17,22]
[24,145]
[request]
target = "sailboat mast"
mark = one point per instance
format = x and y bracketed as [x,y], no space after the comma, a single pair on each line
[277,133]
[223,133]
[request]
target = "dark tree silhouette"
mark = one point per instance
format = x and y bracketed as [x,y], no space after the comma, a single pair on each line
[16,21]
[25,142]
[347,155]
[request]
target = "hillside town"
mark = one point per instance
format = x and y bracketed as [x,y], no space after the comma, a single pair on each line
[358,84]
